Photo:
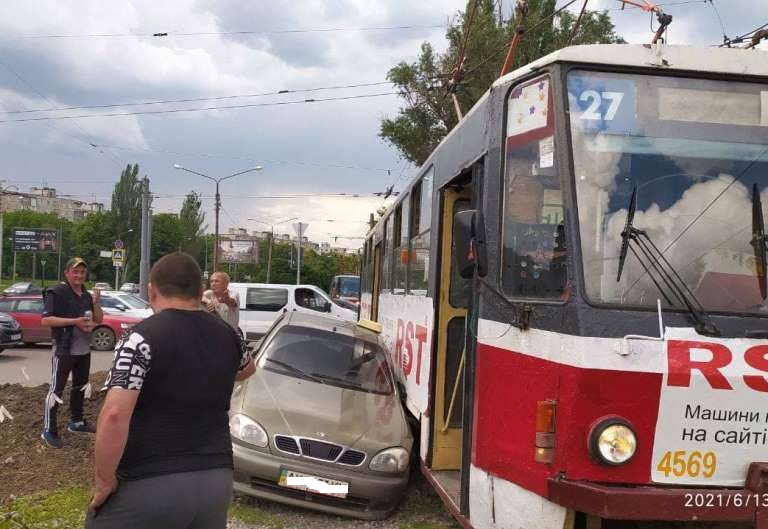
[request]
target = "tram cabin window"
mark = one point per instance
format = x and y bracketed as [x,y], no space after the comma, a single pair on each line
[534,256]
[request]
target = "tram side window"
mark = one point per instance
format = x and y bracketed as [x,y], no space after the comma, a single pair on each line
[420,221]
[534,257]
[400,253]
[386,253]
[365,280]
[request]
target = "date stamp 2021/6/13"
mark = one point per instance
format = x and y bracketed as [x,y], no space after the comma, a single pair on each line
[715,500]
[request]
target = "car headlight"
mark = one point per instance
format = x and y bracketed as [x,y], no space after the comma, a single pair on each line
[390,460]
[612,441]
[247,430]
[126,326]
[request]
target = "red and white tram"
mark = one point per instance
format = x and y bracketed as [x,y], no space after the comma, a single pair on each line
[573,293]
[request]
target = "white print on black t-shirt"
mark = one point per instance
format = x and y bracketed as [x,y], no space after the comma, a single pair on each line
[131,363]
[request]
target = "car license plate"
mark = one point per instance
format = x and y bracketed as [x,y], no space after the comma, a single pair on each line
[298,480]
[16,337]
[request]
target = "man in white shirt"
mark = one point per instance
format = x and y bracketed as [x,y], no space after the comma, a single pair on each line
[220,300]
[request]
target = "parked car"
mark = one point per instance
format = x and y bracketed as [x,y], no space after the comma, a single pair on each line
[102,286]
[28,311]
[10,332]
[322,407]
[118,302]
[24,287]
[261,304]
[131,288]
[345,290]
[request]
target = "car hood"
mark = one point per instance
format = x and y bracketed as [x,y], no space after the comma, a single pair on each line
[292,406]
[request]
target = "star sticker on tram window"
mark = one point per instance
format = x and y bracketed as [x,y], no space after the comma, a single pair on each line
[541,96]
[532,110]
[519,119]
[541,85]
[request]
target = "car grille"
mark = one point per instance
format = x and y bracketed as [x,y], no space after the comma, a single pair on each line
[319,449]
[314,449]
[352,457]
[286,444]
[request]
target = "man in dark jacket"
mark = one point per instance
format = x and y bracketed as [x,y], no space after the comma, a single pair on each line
[71,312]
[163,455]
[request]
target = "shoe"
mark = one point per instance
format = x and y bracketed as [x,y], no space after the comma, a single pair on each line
[51,439]
[80,427]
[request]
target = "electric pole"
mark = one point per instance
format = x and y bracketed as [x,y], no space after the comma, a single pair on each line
[217,207]
[145,238]
[300,227]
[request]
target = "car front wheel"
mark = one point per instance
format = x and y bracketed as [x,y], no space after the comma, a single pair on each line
[103,339]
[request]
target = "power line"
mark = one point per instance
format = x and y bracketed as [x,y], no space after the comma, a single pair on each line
[164,34]
[195,99]
[199,109]
[110,155]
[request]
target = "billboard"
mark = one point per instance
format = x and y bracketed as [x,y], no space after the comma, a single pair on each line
[238,251]
[35,240]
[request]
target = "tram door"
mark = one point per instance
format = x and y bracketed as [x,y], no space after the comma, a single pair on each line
[450,359]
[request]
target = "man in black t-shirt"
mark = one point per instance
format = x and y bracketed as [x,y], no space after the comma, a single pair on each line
[66,313]
[164,427]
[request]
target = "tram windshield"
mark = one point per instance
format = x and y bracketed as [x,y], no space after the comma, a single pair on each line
[694,150]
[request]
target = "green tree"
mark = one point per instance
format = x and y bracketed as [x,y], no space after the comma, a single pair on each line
[192,220]
[167,235]
[91,235]
[126,217]
[428,114]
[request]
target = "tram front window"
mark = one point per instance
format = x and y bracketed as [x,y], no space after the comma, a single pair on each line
[694,150]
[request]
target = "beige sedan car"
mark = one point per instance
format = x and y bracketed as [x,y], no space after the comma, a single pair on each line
[320,424]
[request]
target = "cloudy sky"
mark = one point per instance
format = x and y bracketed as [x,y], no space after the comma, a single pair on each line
[56,53]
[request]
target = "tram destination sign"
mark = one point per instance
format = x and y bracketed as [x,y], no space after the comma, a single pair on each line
[35,240]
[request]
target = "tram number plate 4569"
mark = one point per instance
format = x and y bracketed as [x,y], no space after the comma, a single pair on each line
[693,464]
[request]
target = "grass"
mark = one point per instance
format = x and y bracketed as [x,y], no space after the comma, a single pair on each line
[66,508]
[425,525]
[247,512]
[62,508]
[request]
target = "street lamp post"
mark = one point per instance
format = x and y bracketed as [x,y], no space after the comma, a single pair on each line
[217,204]
[271,239]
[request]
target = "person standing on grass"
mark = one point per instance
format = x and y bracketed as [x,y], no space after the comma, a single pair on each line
[71,312]
[163,455]
[221,301]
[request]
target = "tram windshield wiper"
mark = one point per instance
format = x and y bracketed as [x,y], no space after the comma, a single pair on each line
[659,268]
[759,240]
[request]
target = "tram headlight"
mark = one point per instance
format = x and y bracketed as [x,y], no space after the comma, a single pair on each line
[612,441]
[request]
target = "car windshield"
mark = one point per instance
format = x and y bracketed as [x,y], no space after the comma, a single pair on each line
[349,286]
[328,358]
[694,151]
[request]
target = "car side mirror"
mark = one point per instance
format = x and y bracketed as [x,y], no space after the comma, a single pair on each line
[469,243]
[122,308]
[327,306]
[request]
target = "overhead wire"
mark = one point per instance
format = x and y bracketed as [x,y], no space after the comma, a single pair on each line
[111,156]
[195,99]
[719,18]
[164,34]
[200,109]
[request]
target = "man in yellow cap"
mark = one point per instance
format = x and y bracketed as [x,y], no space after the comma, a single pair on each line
[71,312]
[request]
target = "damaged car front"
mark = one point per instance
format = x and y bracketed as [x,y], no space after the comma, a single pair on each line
[320,424]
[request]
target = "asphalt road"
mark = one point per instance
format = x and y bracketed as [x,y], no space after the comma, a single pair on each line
[31,365]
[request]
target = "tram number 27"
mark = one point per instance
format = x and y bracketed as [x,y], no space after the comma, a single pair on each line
[692,464]
[595,100]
